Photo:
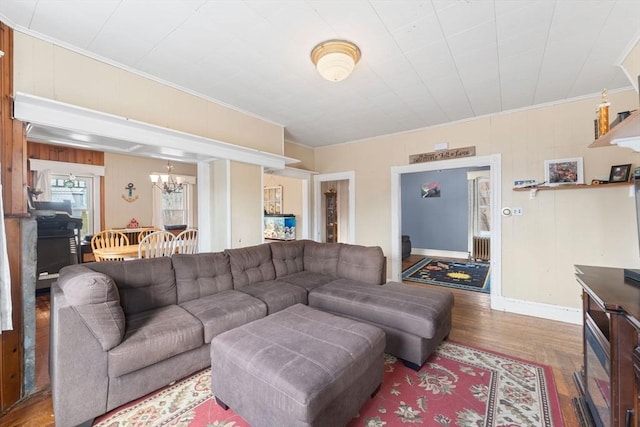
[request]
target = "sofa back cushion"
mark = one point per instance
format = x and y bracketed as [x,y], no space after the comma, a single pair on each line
[251,265]
[287,257]
[144,284]
[95,298]
[200,275]
[361,263]
[321,258]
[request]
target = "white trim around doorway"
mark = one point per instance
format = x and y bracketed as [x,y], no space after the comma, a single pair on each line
[317,193]
[494,162]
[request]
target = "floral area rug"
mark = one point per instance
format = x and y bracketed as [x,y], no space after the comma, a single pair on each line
[472,276]
[457,386]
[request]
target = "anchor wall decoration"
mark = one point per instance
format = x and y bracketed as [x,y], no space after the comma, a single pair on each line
[130,197]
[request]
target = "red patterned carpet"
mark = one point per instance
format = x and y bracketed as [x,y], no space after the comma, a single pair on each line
[458,386]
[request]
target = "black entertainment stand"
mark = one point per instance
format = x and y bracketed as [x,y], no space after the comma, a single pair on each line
[610,377]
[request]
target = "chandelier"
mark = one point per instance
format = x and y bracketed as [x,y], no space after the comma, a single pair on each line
[166,182]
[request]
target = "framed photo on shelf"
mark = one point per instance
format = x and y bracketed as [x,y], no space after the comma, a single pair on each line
[620,173]
[564,171]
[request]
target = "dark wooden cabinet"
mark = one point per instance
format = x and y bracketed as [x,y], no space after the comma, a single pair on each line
[611,310]
[331,216]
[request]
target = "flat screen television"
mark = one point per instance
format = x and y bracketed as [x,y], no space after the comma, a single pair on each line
[633,274]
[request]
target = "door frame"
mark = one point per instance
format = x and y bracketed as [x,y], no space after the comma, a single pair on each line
[494,163]
[319,215]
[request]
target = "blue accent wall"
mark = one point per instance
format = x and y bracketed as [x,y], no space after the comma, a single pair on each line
[439,223]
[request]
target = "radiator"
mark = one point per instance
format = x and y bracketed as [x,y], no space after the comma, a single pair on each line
[481,248]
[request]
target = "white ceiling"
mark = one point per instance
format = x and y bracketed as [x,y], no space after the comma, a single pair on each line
[423,62]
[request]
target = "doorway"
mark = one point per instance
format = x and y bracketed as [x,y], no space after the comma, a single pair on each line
[342,185]
[493,162]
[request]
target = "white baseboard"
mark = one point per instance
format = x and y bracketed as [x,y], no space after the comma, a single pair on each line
[536,309]
[439,253]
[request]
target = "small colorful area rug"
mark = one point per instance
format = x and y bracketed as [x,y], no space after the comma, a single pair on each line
[457,386]
[473,276]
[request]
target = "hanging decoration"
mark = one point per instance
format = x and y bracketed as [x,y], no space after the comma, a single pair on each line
[130,197]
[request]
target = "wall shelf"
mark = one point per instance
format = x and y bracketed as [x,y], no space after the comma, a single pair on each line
[629,127]
[575,186]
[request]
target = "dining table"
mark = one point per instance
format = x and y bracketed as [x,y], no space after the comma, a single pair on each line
[117,252]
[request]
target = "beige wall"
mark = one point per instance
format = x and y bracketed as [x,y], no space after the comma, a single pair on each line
[246,204]
[631,65]
[121,170]
[558,229]
[291,197]
[44,69]
[300,152]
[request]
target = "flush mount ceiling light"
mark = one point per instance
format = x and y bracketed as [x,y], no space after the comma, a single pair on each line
[335,59]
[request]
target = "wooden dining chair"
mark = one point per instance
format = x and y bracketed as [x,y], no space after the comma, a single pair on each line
[108,239]
[156,244]
[145,232]
[186,242]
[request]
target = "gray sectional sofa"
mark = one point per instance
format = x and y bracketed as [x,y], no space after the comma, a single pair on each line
[122,329]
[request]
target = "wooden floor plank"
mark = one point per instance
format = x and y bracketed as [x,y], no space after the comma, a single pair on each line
[556,344]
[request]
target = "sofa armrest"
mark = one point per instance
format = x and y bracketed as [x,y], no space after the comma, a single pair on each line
[362,263]
[96,299]
[77,365]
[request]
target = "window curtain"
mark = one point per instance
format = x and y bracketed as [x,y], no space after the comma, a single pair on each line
[5,277]
[189,205]
[156,219]
[43,183]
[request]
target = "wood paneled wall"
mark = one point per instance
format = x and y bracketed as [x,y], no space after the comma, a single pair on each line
[13,159]
[59,153]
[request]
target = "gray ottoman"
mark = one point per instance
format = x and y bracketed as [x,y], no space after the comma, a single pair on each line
[297,367]
[415,319]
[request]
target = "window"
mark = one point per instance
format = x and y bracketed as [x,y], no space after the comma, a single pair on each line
[78,183]
[176,208]
[78,190]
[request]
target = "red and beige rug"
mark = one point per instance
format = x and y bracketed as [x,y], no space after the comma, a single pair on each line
[457,386]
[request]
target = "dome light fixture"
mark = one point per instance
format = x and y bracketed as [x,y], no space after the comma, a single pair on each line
[335,59]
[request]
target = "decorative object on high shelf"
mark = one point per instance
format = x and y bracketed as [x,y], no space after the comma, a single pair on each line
[166,182]
[335,59]
[133,223]
[603,114]
[129,197]
[620,173]
[564,171]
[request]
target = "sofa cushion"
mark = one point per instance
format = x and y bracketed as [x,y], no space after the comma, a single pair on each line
[200,275]
[153,336]
[276,295]
[96,299]
[416,310]
[287,257]
[225,310]
[251,265]
[361,263]
[143,284]
[321,257]
[307,279]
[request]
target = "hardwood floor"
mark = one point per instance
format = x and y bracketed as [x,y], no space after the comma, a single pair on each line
[556,344]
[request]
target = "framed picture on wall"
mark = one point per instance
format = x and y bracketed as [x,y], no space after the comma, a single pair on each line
[273,200]
[620,173]
[564,171]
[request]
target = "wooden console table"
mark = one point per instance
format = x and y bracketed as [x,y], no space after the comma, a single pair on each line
[611,313]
